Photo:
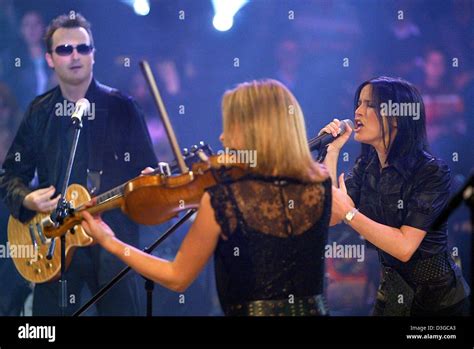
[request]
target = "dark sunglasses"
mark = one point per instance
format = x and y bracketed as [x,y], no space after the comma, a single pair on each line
[66,50]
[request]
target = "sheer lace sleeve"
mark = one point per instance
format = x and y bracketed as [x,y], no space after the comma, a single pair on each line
[223,209]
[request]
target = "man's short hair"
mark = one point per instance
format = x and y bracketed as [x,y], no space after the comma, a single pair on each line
[73,20]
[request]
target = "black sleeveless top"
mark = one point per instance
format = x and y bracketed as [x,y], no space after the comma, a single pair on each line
[274,231]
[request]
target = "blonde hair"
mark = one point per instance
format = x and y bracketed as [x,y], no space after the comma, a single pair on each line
[269,120]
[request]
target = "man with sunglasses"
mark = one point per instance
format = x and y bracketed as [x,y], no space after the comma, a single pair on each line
[114,146]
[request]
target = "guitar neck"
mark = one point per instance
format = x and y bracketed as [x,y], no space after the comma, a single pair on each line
[109,200]
[106,201]
[110,195]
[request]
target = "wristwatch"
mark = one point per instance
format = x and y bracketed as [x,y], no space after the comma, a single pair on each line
[350,215]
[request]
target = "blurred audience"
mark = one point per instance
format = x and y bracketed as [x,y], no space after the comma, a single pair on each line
[444,109]
[9,119]
[26,70]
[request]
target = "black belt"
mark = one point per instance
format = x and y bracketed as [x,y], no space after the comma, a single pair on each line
[412,280]
[422,271]
[297,306]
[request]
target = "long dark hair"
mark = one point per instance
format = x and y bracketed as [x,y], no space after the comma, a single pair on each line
[411,134]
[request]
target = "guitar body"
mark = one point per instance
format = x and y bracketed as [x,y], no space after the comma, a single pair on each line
[31,262]
[30,242]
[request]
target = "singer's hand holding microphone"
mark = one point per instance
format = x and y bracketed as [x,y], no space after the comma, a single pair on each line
[335,135]
[340,130]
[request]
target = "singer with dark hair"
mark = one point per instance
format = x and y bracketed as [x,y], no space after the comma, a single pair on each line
[392,196]
[113,147]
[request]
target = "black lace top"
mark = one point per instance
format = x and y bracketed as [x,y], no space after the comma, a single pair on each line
[274,231]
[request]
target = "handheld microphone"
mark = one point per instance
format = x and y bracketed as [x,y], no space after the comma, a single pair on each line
[324,138]
[82,107]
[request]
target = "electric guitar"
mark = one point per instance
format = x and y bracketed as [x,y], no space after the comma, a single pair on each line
[37,257]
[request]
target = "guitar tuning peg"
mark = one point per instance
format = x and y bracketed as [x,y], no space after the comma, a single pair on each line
[202,144]
[185,151]
[194,148]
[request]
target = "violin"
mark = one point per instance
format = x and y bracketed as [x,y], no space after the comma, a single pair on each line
[157,197]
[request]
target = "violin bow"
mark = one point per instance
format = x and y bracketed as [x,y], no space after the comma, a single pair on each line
[150,79]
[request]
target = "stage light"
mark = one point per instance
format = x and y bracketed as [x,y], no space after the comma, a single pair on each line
[141,7]
[224,12]
[222,23]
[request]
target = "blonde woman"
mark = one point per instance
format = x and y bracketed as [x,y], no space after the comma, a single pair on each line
[267,230]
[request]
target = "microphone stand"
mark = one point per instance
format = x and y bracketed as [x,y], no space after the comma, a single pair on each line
[63,209]
[149,285]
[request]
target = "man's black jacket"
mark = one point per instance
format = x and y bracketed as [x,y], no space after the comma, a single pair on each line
[114,140]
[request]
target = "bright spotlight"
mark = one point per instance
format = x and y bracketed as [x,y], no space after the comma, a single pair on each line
[222,23]
[225,10]
[141,7]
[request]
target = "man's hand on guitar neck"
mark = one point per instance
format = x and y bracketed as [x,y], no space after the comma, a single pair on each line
[40,200]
